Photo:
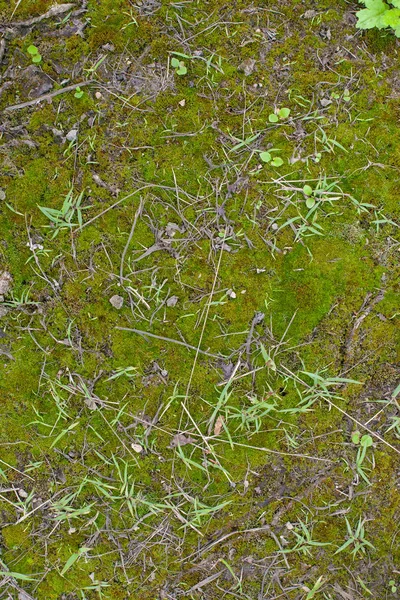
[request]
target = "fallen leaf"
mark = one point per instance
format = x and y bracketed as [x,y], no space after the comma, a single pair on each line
[180,439]
[219,423]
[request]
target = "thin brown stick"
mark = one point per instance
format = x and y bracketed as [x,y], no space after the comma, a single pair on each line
[167,339]
[135,220]
[49,96]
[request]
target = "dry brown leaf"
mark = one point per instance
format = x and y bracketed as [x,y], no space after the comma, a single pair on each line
[180,439]
[219,423]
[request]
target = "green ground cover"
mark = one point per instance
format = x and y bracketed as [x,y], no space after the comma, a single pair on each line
[222,177]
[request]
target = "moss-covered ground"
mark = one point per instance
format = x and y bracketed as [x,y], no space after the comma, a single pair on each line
[248,446]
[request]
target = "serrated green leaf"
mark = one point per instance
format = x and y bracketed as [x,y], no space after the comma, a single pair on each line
[371,16]
[391,18]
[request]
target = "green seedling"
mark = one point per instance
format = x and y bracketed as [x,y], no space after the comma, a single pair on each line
[279,115]
[34,53]
[317,586]
[62,218]
[309,193]
[179,66]
[356,538]
[393,586]
[78,93]
[266,157]
[365,442]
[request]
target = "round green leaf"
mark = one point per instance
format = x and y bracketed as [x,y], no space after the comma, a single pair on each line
[273,118]
[265,157]
[175,62]
[310,202]
[284,113]
[32,50]
[182,70]
[366,441]
[355,437]
[36,58]
[307,189]
[277,161]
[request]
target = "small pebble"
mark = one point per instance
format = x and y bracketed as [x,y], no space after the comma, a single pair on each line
[172,301]
[117,301]
[72,135]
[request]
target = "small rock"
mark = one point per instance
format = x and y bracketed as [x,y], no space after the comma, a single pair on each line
[231,294]
[324,102]
[98,95]
[310,14]
[117,301]
[72,135]
[3,311]
[247,66]
[172,301]
[5,284]
[182,102]
[2,194]
[137,448]
[22,493]
[34,82]
[57,132]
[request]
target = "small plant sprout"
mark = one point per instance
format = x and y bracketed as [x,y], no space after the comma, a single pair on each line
[309,194]
[78,93]
[364,443]
[393,586]
[356,539]
[63,218]
[315,589]
[266,157]
[34,53]
[279,115]
[179,66]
